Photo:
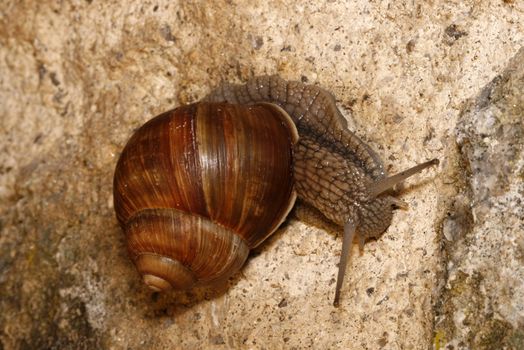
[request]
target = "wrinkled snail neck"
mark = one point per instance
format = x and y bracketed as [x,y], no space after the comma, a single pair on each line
[350,227]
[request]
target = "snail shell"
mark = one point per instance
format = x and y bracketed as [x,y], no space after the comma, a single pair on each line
[199,186]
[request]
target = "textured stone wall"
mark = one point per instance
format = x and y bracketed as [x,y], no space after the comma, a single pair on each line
[482,305]
[77,77]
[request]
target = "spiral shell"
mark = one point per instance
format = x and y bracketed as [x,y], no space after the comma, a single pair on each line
[197,187]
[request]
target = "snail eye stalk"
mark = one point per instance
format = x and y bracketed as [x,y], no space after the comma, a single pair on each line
[387,183]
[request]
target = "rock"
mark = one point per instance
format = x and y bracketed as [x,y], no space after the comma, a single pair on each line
[483,302]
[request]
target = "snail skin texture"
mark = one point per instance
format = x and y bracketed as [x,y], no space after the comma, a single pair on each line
[197,187]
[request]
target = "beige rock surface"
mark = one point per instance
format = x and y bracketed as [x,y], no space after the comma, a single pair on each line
[482,303]
[77,77]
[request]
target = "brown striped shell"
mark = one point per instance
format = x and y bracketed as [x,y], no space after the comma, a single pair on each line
[197,187]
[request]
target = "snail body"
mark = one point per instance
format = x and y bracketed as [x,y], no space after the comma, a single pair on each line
[197,187]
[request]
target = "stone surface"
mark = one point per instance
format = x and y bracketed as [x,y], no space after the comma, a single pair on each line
[77,77]
[483,303]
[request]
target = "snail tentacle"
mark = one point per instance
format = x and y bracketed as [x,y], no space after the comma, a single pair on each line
[349,233]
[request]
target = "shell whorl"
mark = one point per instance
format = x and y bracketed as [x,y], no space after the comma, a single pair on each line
[195,188]
[181,248]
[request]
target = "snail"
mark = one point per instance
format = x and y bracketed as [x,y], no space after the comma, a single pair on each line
[197,187]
